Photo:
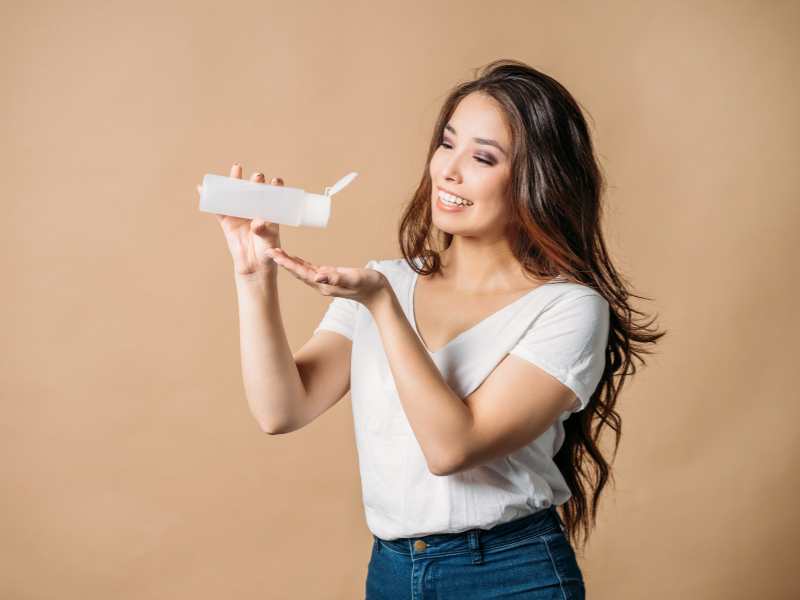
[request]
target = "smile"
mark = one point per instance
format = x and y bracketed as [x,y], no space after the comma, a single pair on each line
[452,200]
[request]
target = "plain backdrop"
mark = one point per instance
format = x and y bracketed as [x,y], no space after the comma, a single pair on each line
[130,465]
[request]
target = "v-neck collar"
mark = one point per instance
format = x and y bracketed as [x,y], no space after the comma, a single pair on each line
[476,326]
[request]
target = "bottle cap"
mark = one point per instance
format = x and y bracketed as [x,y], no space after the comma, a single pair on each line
[317,211]
[318,206]
[341,184]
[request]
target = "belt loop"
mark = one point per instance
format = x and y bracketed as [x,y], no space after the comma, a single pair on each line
[475,546]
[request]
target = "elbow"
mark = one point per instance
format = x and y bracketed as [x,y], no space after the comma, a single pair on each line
[439,472]
[268,430]
[271,429]
[446,467]
[442,471]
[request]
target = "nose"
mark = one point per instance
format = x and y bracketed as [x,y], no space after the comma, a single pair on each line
[451,171]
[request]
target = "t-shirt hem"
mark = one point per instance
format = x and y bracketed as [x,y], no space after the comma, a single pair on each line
[334,328]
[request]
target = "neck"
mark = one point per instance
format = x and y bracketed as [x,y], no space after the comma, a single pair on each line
[475,267]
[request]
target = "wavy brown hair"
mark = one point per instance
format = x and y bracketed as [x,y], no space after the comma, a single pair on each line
[556,187]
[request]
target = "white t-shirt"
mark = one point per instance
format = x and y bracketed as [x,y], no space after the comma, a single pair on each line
[560,326]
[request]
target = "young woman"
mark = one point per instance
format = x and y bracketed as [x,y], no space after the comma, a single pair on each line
[481,364]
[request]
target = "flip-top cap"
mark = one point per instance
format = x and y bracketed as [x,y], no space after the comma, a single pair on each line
[318,206]
[317,211]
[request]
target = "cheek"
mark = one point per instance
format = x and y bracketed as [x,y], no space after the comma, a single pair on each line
[434,166]
[491,189]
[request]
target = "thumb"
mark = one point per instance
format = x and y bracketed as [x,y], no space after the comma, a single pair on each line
[260,227]
[339,276]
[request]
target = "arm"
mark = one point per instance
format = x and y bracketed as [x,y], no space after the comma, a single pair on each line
[438,417]
[272,382]
[277,401]
[284,391]
[512,407]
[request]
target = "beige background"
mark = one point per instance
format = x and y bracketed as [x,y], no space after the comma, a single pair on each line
[131,466]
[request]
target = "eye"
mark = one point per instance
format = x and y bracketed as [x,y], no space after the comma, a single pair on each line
[480,160]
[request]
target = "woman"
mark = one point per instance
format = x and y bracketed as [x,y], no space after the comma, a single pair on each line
[481,364]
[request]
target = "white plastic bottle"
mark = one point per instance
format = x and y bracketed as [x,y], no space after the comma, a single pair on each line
[275,203]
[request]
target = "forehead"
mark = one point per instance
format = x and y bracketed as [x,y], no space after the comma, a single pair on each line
[479,115]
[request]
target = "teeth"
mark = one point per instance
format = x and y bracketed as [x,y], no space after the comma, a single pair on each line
[450,199]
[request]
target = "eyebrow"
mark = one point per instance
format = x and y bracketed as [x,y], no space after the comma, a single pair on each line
[484,141]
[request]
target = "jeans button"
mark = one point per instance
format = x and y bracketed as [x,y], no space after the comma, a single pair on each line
[420,546]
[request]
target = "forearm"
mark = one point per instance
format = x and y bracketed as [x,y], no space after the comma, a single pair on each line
[439,418]
[272,383]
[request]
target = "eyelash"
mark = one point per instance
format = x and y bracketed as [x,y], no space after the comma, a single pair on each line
[481,160]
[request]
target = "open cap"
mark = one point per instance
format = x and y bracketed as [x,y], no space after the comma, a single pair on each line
[341,184]
[318,206]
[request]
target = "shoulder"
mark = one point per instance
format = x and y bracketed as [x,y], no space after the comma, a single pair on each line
[396,270]
[568,291]
[575,299]
[388,265]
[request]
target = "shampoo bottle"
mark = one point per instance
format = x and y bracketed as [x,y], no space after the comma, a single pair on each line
[274,203]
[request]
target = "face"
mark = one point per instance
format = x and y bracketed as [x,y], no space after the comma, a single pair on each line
[476,170]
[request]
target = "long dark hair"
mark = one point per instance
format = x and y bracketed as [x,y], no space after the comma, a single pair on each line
[556,188]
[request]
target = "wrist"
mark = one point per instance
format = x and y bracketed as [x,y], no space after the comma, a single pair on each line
[382,298]
[258,278]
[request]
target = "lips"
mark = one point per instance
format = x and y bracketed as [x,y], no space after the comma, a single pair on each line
[442,206]
[441,189]
[458,203]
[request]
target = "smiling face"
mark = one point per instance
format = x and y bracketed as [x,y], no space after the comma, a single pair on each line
[469,164]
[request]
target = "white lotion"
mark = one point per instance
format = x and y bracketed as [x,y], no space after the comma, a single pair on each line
[275,203]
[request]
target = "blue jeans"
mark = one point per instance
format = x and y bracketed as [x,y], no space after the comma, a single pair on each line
[527,558]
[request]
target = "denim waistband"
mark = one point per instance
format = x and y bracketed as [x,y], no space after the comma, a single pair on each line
[541,522]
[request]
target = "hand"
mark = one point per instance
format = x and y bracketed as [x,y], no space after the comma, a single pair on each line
[366,286]
[248,239]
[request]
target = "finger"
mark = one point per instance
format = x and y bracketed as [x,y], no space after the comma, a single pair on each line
[260,226]
[309,269]
[301,269]
[258,177]
[236,171]
[280,258]
[199,189]
[296,259]
[306,269]
[330,274]
[305,263]
[276,181]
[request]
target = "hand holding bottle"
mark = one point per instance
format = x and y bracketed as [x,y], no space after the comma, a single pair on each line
[249,239]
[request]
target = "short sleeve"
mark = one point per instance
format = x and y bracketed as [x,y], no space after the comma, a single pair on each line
[568,340]
[340,315]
